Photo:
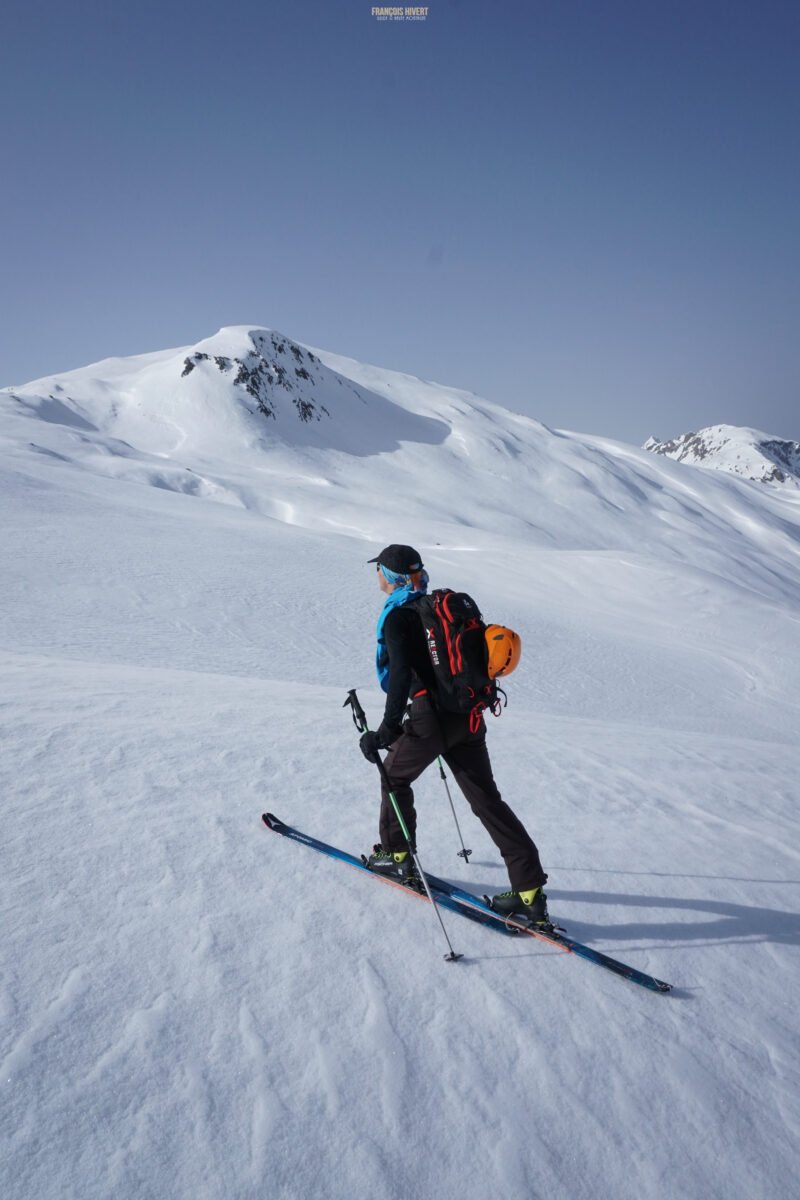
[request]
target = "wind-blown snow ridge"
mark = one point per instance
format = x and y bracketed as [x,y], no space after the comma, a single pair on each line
[736,449]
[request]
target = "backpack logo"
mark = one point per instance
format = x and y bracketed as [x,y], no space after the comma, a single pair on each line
[430,635]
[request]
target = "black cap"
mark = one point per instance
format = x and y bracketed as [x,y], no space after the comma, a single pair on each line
[403,560]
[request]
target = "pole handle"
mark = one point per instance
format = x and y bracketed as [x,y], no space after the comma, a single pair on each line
[359,716]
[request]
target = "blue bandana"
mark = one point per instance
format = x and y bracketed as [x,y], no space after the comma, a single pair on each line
[404,591]
[396,578]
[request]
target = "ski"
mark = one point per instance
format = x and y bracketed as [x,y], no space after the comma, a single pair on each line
[456,899]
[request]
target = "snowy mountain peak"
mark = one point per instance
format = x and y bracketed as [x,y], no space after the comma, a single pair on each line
[242,390]
[266,365]
[738,450]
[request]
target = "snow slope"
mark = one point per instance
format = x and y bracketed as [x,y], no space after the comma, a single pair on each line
[193,1008]
[745,452]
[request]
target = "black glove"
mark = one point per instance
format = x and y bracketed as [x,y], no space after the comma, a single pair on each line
[370,744]
[381,739]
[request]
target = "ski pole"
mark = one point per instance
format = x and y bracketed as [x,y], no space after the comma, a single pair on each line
[463,852]
[360,722]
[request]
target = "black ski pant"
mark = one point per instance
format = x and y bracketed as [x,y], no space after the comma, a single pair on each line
[428,734]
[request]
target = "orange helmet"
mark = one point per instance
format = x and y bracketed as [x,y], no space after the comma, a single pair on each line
[505,648]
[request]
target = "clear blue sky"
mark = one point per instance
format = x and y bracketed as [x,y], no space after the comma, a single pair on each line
[587,210]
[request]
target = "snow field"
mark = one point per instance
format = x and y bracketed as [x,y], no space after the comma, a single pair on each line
[209,1010]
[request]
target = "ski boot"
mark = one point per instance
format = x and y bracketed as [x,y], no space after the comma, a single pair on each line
[530,908]
[396,865]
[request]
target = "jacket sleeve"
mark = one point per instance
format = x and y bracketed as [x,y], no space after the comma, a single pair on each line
[399,646]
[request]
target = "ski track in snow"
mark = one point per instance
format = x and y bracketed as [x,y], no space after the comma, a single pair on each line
[191,1007]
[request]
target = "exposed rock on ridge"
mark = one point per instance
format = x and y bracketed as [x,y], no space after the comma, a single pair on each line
[268,366]
[740,451]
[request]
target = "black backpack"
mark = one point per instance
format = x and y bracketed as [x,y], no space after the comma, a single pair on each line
[455,635]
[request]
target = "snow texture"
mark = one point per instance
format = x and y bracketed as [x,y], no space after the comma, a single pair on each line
[194,1008]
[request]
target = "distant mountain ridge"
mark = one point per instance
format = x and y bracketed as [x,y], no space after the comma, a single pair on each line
[316,441]
[738,450]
